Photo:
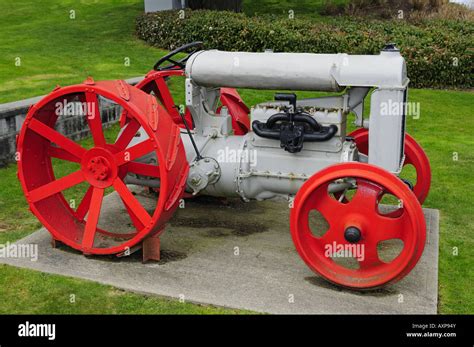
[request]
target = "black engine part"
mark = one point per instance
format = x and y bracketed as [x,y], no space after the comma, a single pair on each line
[293,127]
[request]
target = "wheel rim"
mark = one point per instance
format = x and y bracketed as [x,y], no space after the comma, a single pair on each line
[155,82]
[414,155]
[104,166]
[362,213]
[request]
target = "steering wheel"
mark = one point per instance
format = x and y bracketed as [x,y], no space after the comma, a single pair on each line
[191,48]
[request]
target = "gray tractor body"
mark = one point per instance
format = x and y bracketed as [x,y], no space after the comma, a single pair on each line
[254,167]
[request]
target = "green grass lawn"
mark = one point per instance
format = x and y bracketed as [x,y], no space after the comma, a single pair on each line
[31,292]
[57,50]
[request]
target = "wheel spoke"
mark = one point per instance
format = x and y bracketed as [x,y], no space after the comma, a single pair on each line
[127,134]
[59,153]
[134,152]
[95,120]
[166,98]
[389,228]
[84,205]
[371,258]
[93,217]
[327,206]
[136,222]
[134,205]
[56,186]
[366,196]
[333,235]
[55,137]
[144,169]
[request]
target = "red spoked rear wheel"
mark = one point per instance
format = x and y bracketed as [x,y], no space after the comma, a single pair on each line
[414,155]
[155,82]
[101,167]
[348,245]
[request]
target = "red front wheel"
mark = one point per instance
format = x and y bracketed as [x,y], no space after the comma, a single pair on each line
[414,155]
[357,242]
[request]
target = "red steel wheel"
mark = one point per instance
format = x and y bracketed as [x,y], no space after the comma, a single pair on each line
[414,155]
[155,82]
[357,225]
[104,166]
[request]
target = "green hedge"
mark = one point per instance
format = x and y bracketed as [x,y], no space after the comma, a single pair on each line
[437,52]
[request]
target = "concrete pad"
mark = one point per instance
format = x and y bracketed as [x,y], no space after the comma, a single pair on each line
[241,256]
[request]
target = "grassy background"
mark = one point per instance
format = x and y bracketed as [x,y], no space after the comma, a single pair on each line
[57,50]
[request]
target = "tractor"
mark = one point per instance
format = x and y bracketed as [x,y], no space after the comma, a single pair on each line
[293,148]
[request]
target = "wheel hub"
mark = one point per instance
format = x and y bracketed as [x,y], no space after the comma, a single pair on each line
[352,234]
[99,168]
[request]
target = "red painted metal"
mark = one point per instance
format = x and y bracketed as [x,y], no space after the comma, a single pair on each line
[104,166]
[237,109]
[361,212]
[414,155]
[155,82]
[151,249]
